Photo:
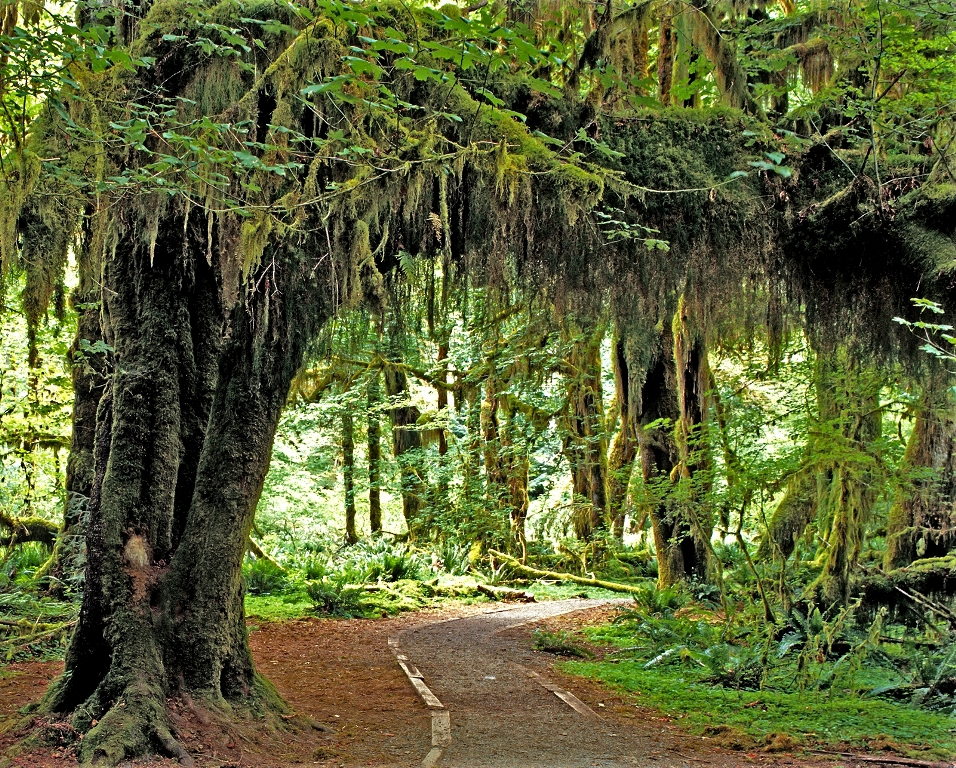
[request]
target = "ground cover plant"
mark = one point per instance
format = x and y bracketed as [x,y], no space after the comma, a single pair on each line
[816,680]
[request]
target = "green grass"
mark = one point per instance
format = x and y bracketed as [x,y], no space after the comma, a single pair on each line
[283,607]
[383,599]
[808,717]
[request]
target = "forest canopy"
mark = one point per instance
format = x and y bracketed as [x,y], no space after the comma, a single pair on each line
[681,269]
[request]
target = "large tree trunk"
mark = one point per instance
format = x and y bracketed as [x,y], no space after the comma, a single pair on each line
[183,440]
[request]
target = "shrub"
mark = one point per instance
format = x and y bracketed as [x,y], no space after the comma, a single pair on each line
[264,577]
[561,643]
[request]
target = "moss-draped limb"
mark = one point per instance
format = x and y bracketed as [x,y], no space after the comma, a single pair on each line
[922,521]
[586,442]
[20,530]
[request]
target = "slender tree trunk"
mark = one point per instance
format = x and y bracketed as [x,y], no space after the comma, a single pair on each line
[374,428]
[587,447]
[620,461]
[406,442]
[348,475]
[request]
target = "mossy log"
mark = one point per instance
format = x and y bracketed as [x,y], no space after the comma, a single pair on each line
[23,529]
[612,586]
[925,586]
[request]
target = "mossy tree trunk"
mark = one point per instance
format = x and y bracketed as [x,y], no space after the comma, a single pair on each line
[406,445]
[90,376]
[848,392]
[496,481]
[586,441]
[620,463]
[374,434]
[666,52]
[695,474]
[183,439]
[517,466]
[682,552]
[348,474]
[922,522]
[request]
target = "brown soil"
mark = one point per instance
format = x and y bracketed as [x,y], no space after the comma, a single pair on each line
[341,673]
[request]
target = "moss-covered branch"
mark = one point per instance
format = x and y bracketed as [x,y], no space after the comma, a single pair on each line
[24,529]
[613,586]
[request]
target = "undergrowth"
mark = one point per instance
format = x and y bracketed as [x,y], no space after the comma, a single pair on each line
[840,678]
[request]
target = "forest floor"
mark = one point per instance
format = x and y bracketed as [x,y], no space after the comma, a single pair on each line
[478,659]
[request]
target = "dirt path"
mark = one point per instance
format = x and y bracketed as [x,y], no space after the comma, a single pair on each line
[506,710]
[478,660]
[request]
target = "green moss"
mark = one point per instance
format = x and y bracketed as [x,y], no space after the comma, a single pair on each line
[293,605]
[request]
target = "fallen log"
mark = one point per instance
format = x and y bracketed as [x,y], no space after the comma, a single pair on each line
[613,586]
[506,594]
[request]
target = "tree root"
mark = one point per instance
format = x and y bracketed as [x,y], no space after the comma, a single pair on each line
[172,747]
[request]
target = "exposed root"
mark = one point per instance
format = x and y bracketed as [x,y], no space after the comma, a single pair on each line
[172,747]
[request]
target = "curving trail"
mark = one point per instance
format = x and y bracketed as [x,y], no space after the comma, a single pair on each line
[501,714]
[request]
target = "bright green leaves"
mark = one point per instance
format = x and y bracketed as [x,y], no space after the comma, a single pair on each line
[772,162]
[932,333]
[616,228]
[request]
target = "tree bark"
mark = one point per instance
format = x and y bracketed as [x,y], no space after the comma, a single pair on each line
[183,440]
